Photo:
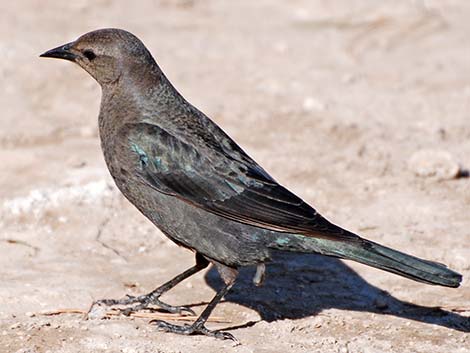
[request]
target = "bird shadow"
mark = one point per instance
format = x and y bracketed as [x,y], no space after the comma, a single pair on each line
[299,286]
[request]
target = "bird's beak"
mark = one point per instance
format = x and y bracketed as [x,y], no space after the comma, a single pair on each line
[62,52]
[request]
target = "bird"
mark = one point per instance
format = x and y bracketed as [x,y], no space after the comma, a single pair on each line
[200,188]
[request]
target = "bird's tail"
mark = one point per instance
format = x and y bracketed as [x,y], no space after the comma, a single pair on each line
[375,255]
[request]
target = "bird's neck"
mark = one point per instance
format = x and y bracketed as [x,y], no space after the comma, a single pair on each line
[135,98]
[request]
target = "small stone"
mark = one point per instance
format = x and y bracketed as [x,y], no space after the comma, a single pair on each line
[88,131]
[435,164]
[30,314]
[459,258]
[97,312]
[310,104]
[62,219]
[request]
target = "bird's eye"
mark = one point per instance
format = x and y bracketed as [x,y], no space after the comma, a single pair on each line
[89,54]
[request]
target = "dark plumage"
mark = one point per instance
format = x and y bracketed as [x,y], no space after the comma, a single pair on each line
[199,187]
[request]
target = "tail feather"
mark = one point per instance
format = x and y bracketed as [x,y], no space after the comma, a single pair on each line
[375,255]
[390,260]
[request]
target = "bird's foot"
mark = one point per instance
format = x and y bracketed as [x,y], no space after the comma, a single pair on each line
[193,329]
[144,301]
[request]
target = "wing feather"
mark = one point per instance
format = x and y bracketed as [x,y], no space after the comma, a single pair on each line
[221,180]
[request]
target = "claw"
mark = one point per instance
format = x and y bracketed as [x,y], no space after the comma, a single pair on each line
[144,302]
[193,329]
[181,310]
[190,311]
[167,327]
[126,311]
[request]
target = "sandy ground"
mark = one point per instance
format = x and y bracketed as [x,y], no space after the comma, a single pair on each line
[338,100]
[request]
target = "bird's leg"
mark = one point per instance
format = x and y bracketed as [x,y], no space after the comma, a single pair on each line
[229,276]
[153,297]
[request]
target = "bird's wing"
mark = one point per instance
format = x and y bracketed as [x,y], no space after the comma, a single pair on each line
[221,180]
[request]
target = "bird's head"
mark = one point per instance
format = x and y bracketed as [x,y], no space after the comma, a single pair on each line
[106,54]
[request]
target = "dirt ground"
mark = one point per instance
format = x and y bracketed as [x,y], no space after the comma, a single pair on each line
[360,107]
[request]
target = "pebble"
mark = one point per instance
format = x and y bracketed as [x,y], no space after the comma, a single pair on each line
[15,326]
[88,131]
[458,259]
[311,104]
[97,312]
[435,164]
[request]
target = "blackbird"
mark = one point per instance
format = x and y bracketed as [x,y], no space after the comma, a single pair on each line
[191,180]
